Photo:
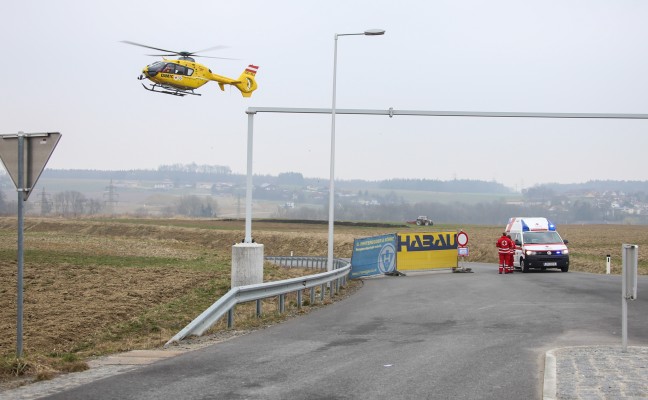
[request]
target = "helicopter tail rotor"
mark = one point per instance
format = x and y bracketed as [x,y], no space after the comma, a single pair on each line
[246,82]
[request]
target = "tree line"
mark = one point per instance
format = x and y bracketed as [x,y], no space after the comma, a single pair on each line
[71,203]
[392,208]
[552,200]
[485,213]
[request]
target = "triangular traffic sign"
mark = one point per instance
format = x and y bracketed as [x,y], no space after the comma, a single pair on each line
[37,149]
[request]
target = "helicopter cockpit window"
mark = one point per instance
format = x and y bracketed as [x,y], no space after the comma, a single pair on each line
[156,67]
[169,68]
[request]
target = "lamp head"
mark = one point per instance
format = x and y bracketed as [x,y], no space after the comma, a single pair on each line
[374,32]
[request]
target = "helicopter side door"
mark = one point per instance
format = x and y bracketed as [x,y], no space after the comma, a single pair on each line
[189,77]
[179,76]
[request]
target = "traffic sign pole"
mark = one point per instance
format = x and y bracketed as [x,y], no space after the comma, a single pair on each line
[20,187]
[24,156]
[462,251]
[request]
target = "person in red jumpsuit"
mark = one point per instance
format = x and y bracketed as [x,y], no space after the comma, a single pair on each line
[503,247]
[511,254]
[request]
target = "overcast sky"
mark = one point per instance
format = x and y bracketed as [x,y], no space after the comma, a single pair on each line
[64,69]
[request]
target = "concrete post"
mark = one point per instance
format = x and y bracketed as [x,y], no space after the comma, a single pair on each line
[247,264]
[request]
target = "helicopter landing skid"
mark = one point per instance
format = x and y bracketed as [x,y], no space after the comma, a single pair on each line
[166,90]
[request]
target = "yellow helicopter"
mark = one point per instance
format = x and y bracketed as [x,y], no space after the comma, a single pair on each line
[182,76]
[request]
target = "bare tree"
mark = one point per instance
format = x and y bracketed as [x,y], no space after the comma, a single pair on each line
[69,203]
[61,205]
[94,206]
[194,206]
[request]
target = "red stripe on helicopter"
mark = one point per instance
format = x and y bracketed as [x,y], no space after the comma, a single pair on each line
[252,69]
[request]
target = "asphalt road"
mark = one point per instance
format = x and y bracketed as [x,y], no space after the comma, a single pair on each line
[423,336]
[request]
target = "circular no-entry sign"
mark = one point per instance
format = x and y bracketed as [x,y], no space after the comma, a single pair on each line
[462,239]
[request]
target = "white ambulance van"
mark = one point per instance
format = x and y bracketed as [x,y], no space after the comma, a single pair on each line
[538,244]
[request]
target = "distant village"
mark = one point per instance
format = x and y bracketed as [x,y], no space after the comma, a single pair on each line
[615,203]
[589,205]
[206,191]
[572,206]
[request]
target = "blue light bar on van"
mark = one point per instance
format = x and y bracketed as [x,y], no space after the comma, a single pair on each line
[552,227]
[525,227]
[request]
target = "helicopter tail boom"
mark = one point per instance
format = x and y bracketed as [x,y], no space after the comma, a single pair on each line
[245,83]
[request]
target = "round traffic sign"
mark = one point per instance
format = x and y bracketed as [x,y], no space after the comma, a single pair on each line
[462,239]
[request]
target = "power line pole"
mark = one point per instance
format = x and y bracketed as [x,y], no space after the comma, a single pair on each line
[45,203]
[111,199]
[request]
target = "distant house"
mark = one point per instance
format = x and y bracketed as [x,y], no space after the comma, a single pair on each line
[127,184]
[372,202]
[166,185]
[222,187]
[316,189]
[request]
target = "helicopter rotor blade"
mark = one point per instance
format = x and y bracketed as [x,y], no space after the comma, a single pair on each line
[191,55]
[149,47]
[218,47]
[171,53]
[221,58]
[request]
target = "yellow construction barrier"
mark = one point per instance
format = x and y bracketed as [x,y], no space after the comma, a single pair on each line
[426,250]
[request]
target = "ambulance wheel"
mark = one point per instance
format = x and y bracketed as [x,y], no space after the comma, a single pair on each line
[525,265]
[565,268]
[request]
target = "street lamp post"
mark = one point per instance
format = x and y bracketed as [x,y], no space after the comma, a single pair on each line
[369,32]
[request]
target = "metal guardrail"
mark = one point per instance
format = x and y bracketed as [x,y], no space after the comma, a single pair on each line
[258,292]
[305,262]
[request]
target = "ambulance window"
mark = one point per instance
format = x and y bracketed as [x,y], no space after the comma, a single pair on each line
[545,237]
